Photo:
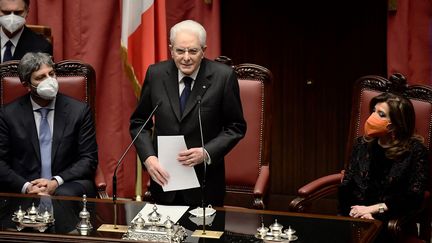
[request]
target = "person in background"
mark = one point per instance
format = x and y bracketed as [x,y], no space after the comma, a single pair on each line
[16,38]
[47,140]
[177,85]
[388,172]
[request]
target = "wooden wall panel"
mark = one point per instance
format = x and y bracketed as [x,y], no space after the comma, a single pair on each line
[316,50]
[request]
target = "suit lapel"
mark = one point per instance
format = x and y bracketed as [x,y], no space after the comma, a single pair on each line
[29,124]
[202,83]
[60,122]
[20,49]
[172,89]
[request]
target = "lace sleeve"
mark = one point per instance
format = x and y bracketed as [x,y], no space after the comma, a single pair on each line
[417,177]
[345,192]
[420,177]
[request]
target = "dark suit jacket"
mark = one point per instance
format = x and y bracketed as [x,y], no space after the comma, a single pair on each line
[74,148]
[31,42]
[222,120]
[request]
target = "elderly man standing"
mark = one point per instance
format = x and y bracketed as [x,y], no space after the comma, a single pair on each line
[176,85]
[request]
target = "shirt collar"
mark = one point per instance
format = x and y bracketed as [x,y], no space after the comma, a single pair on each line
[14,39]
[35,105]
[193,75]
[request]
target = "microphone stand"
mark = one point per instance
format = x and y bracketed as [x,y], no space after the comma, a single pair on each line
[203,196]
[114,179]
[203,233]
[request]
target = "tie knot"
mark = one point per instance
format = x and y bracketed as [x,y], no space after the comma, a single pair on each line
[44,112]
[9,44]
[187,81]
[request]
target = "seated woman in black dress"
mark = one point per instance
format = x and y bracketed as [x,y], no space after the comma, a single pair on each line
[388,171]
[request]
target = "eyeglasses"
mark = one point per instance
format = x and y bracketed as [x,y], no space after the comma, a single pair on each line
[191,51]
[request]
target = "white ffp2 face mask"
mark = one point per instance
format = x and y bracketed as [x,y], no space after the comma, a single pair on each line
[48,88]
[12,22]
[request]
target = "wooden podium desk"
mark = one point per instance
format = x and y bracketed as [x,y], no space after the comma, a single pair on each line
[239,225]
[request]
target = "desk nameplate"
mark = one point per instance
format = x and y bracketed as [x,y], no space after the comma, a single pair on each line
[112,228]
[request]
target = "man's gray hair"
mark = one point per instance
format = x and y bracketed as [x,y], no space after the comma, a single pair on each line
[32,62]
[189,26]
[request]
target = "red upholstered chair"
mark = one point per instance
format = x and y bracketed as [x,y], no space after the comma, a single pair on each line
[365,89]
[247,165]
[76,79]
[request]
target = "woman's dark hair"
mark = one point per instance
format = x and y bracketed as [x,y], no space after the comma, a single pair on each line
[402,118]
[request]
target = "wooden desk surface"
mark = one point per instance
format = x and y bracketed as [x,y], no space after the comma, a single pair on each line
[238,224]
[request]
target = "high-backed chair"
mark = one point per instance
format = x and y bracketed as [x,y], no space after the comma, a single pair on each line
[42,30]
[76,79]
[365,89]
[247,165]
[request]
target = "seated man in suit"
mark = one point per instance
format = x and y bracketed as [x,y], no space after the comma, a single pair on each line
[16,38]
[47,140]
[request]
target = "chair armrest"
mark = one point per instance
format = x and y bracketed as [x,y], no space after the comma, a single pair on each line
[314,190]
[261,184]
[399,226]
[319,184]
[101,183]
[404,226]
[261,187]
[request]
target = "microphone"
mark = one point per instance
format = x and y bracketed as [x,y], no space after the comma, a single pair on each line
[203,184]
[122,157]
[203,233]
[201,135]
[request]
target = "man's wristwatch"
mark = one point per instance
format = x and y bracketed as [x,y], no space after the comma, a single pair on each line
[381,208]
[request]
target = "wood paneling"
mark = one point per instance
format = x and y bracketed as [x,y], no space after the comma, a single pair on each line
[316,50]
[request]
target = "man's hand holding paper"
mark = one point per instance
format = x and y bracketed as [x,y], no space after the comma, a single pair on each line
[178,162]
[155,170]
[191,157]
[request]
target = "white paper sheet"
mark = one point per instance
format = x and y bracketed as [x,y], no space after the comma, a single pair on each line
[181,177]
[174,212]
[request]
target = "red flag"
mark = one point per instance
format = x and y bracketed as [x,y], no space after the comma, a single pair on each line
[143,42]
[143,38]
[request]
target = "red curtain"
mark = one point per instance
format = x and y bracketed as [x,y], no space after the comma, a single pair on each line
[409,40]
[90,31]
[206,12]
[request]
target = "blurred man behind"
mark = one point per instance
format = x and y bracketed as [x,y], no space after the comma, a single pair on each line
[16,38]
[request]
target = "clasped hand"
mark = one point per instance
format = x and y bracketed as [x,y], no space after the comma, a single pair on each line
[363,212]
[42,186]
[190,157]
